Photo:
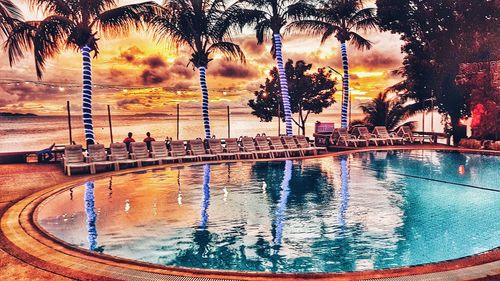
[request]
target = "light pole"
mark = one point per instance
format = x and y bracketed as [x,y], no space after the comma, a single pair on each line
[342,77]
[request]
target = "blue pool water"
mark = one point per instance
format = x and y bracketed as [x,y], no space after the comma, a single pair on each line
[335,214]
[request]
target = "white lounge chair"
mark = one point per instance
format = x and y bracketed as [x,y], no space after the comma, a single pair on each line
[197,148]
[73,158]
[381,132]
[340,135]
[292,146]
[97,156]
[177,149]
[406,133]
[120,155]
[364,134]
[232,146]
[159,151]
[249,146]
[215,147]
[139,152]
[305,144]
[278,149]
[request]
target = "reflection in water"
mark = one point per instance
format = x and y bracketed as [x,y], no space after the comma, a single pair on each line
[280,212]
[206,196]
[344,175]
[110,187]
[91,215]
[179,193]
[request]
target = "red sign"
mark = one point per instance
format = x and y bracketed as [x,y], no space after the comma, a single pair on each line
[321,128]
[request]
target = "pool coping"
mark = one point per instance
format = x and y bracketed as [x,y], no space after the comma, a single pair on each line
[25,239]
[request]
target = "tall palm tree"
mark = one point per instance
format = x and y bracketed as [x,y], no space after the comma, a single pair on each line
[342,19]
[73,24]
[384,111]
[203,26]
[9,14]
[271,16]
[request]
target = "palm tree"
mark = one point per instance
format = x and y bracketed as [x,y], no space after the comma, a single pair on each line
[383,111]
[73,24]
[9,14]
[271,16]
[203,26]
[342,19]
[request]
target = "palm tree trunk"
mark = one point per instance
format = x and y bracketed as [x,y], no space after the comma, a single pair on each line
[87,96]
[345,86]
[283,84]
[204,92]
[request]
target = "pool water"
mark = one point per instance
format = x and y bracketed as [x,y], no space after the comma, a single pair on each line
[357,212]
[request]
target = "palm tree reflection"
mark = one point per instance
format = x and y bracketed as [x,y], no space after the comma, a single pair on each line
[91,215]
[344,175]
[280,212]
[206,196]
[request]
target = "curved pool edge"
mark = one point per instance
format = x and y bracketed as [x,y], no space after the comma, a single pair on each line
[23,238]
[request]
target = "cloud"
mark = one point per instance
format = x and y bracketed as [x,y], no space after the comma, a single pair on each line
[154,62]
[125,103]
[232,70]
[153,77]
[130,54]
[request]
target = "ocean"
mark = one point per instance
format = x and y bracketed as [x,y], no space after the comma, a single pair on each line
[35,133]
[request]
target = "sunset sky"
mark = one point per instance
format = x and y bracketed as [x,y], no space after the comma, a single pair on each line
[138,61]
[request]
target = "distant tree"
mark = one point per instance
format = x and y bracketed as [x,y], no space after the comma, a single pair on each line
[9,14]
[438,35]
[384,111]
[342,19]
[309,93]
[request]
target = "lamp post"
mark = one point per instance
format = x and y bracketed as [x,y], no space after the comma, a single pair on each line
[342,77]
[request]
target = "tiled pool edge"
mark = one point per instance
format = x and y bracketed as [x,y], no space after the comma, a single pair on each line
[24,240]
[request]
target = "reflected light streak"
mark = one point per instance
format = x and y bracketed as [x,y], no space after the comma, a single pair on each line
[91,215]
[280,213]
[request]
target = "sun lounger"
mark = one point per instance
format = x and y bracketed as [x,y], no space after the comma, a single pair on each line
[120,155]
[278,149]
[303,143]
[233,147]
[215,147]
[249,146]
[262,144]
[340,135]
[139,151]
[97,156]
[159,151]
[364,134]
[292,146]
[178,150]
[381,132]
[197,148]
[73,158]
[406,133]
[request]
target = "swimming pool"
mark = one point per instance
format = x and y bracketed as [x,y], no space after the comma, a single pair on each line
[362,211]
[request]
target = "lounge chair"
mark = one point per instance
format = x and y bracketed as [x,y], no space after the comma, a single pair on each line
[406,133]
[262,144]
[278,149]
[304,144]
[97,156]
[178,150]
[364,134]
[159,151]
[233,147]
[197,148]
[292,146]
[120,155]
[139,151]
[215,147]
[382,132]
[340,135]
[73,158]
[249,146]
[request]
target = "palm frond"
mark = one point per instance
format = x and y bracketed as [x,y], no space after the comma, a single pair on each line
[119,21]
[20,40]
[300,10]
[229,50]
[58,7]
[311,27]
[359,41]
[364,19]
[9,14]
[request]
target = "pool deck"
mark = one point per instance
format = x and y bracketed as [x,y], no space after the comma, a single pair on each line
[26,253]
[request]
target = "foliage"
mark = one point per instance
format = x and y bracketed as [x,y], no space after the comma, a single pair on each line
[204,26]
[384,111]
[269,16]
[9,15]
[71,24]
[438,35]
[309,93]
[341,19]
